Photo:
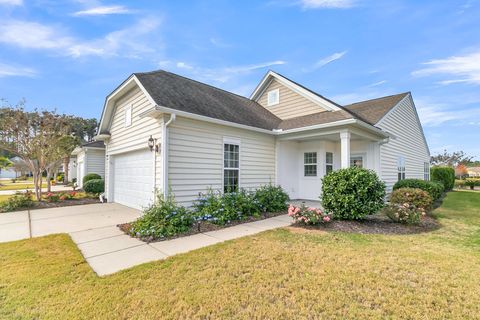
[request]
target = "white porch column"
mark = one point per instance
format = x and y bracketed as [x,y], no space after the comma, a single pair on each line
[345,149]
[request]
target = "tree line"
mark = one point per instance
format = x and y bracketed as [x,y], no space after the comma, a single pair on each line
[42,139]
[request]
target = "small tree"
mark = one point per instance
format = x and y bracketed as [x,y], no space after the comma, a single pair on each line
[5,163]
[450,159]
[461,171]
[32,136]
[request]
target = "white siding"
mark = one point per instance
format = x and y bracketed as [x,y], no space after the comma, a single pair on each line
[196,158]
[408,142]
[291,103]
[134,137]
[95,162]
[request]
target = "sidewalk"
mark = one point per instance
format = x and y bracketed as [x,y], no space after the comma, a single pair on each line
[54,188]
[108,250]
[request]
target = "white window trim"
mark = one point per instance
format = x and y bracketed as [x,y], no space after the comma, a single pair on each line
[234,141]
[359,155]
[305,164]
[278,97]
[128,109]
[328,163]
[401,168]
[426,171]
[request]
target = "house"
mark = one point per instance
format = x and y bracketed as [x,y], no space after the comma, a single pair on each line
[18,168]
[172,134]
[88,158]
[473,172]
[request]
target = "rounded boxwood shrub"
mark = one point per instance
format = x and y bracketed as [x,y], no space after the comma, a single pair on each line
[444,175]
[91,176]
[352,193]
[435,189]
[95,186]
[414,196]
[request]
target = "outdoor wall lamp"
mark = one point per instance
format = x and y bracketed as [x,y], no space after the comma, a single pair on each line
[152,144]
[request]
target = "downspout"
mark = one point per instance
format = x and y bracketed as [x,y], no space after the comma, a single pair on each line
[165,153]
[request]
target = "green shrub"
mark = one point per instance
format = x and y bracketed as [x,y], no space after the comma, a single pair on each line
[472,183]
[95,186]
[435,189]
[17,201]
[272,198]
[306,215]
[460,184]
[221,208]
[164,218]
[60,177]
[91,176]
[444,175]
[352,193]
[405,213]
[414,196]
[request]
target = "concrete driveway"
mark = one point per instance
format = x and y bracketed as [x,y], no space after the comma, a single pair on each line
[107,249]
[15,226]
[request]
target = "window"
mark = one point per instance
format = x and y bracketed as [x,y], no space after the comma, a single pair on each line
[128,116]
[273,97]
[231,167]
[426,171]
[328,162]
[401,168]
[310,164]
[356,161]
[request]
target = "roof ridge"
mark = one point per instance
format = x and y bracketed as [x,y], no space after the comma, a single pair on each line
[199,82]
[384,97]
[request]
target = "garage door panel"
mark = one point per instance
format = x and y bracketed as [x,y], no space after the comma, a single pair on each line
[133,178]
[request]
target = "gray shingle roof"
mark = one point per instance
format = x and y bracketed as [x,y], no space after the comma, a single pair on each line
[94,144]
[180,93]
[177,92]
[374,110]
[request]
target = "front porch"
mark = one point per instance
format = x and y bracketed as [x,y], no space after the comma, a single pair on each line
[304,158]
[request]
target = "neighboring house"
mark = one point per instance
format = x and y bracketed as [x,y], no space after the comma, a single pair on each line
[473,171]
[172,134]
[16,170]
[72,168]
[90,158]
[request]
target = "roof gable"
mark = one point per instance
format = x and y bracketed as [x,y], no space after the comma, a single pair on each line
[292,85]
[176,92]
[375,109]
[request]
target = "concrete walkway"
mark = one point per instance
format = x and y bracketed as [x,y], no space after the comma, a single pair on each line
[106,248]
[54,188]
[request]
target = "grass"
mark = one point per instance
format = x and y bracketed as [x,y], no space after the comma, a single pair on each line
[18,185]
[286,273]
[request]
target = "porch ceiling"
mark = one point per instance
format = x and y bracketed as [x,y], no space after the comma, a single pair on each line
[332,134]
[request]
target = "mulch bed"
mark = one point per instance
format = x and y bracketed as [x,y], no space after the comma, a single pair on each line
[200,227]
[375,224]
[64,203]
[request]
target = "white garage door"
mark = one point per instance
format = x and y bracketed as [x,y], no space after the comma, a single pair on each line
[133,178]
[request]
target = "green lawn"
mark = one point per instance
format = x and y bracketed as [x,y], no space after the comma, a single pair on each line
[19,185]
[281,274]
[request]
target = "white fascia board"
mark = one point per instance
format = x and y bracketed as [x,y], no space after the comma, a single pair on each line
[109,102]
[294,87]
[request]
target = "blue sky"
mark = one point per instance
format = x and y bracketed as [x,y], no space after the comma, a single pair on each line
[69,55]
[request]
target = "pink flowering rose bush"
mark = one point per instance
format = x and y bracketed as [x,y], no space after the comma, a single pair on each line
[308,215]
[406,213]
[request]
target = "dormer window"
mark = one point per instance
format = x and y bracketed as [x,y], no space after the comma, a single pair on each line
[128,116]
[273,97]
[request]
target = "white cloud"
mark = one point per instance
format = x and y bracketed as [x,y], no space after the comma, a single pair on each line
[324,61]
[433,114]
[218,75]
[11,2]
[376,84]
[128,42]
[327,4]
[462,69]
[102,10]
[13,71]
[219,43]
